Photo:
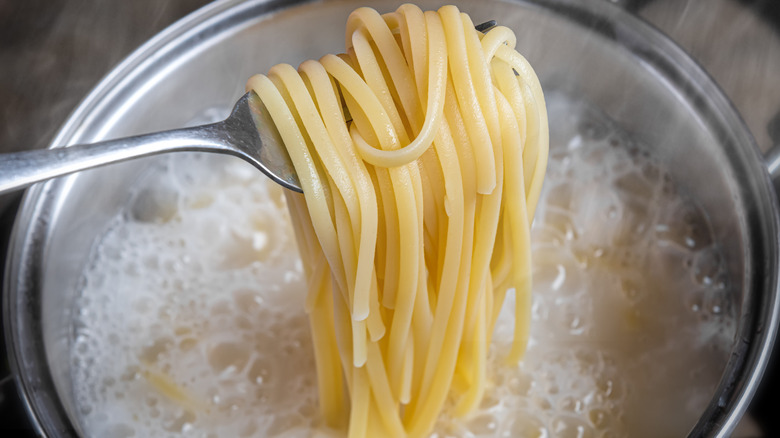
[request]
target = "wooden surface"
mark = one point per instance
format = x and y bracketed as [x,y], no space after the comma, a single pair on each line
[52,52]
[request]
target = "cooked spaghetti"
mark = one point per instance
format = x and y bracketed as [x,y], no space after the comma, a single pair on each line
[421,153]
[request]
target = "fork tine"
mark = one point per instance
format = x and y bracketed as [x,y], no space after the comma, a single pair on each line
[486,26]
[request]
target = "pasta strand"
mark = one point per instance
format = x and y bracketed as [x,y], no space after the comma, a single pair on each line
[421,151]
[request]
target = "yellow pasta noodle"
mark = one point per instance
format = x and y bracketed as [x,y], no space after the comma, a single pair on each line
[421,152]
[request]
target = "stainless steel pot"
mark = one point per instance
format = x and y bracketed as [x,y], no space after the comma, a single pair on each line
[589,50]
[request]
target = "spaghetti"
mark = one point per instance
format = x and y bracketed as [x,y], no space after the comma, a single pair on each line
[421,153]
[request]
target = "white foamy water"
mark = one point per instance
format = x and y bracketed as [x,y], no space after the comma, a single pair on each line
[191,319]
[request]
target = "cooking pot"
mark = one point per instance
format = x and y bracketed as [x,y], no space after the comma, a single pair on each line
[589,50]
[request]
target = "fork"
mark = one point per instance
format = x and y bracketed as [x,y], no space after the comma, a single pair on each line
[248,133]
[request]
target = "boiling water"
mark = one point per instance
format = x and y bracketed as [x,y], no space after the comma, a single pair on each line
[191,318]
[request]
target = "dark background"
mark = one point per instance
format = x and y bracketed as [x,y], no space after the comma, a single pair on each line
[52,52]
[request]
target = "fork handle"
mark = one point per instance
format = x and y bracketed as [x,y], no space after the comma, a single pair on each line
[21,169]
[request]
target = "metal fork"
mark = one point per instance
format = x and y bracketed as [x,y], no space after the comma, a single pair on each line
[248,133]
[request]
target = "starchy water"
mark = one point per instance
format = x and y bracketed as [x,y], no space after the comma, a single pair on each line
[191,319]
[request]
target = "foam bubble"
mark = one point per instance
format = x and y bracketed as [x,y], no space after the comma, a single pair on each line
[191,321]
